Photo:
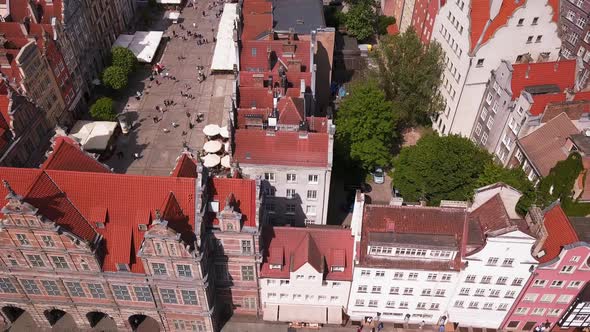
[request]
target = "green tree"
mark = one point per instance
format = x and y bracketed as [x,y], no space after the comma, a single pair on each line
[559,183]
[383,22]
[115,77]
[102,110]
[124,58]
[514,177]
[438,168]
[410,74]
[359,20]
[366,126]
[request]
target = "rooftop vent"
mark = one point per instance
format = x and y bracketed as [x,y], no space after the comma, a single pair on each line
[142,227]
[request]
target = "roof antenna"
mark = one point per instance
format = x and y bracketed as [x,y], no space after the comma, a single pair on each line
[11,193]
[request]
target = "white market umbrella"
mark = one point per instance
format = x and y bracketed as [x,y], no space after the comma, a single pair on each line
[224,132]
[211,160]
[212,146]
[211,130]
[225,162]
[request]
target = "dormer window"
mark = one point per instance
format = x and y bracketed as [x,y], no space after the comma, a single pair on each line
[142,227]
[99,224]
[121,267]
[335,268]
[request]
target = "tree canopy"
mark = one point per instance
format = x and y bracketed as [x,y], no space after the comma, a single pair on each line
[115,77]
[102,110]
[410,74]
[124,58]
[438,168]
[360,19]
[366,126]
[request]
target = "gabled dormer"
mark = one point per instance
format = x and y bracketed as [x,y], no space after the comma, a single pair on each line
[229,219]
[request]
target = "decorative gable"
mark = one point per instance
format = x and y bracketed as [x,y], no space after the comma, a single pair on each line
[229,219]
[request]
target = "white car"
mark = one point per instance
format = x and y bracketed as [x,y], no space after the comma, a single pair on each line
[378,176]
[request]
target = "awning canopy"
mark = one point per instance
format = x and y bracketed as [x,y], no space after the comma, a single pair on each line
[93,135]
[225,161]
[302,313]
[211,130]
[226,51]
[224,132]
[143,44]
[174,15]
[211,160]
[212,146]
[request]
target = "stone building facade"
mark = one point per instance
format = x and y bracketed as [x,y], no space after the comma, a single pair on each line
[574,28]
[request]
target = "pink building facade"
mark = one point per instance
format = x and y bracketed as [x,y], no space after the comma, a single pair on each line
[563,271]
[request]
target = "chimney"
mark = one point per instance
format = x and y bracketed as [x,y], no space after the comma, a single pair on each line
[275,109]
[302,88]
[291,35]
[528,70]
[569,94]
[556,66]
[4,63]
[270,82]
[284,84]
[269,57]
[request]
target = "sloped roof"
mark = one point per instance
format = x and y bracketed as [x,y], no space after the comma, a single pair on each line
[254,55]
[281,148]
[67,156]
[559,73]
[244,196]
[307,245]
[492,215]
[574,109]
[545,146]
[483,27]
[186,167]
[417,220]
[541,102]
[560,232]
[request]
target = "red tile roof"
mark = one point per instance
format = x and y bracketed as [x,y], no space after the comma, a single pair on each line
[540,102]
[260,97]
[281,148]
[561,73]
[492,216]
[575,110]
[560,232]
[480,16]
[254,57]
[322,248]
[67,156]
[431,221]
[186,167]
[545,146]
[243,192]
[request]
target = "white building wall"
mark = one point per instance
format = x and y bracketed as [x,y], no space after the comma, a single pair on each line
[465,77]
[394,307]
[309,289]
[491,308]
[301,186]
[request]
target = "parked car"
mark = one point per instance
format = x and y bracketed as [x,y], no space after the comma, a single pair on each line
[378,176]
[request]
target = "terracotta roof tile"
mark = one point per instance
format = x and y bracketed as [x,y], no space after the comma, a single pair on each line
[560,233]
[186,167]
[480,17]
[561,73]
[545,146]
[574,110]
[540,102]
[492,215]
[67,156]
[281,148]
[254,56]
[414,220]
[308,245]
[244,194]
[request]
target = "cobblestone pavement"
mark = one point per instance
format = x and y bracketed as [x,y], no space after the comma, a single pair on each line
[159,144]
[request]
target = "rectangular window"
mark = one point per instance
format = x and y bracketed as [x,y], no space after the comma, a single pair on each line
[312,179]
[290,208]
[390,304]
[492,261]
[501,281]
[531,297]
[96,291]
[464,291]
[6,286]
[564,298]
[270,177]
[379,274]
[246,247]
[470,278]
[159,269]
[412,276]
[567,269]
[168,296]
[557,283]
[486,279]
[484,138]
[312,194]
[59,262]
[310,210]
[508,262]
[538,311]
[408,291]
[459,304]
[184,270]
[189,297]
[490,123]
[510,294]
[23,239]
[365,273]
[473,305]
[30,286]
[394,290]
[478,129]
[48,241]
[574,284]
[362,289]
[432,277]
[359,302]
[291,178]
[248,273]
[376,290]
[547,298]
[440,292]
[446,277]
[291,193]
[426,292]
[373,303]
[121,293]
[51,287]
[35,260]
[398,275]
[517,281]
[75,289]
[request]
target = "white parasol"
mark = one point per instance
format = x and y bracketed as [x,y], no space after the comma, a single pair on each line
[211,160]
[225,162]
[211,130]
[224,132]
[212,146]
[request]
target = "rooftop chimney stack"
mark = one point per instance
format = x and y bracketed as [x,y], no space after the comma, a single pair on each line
[302,88]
